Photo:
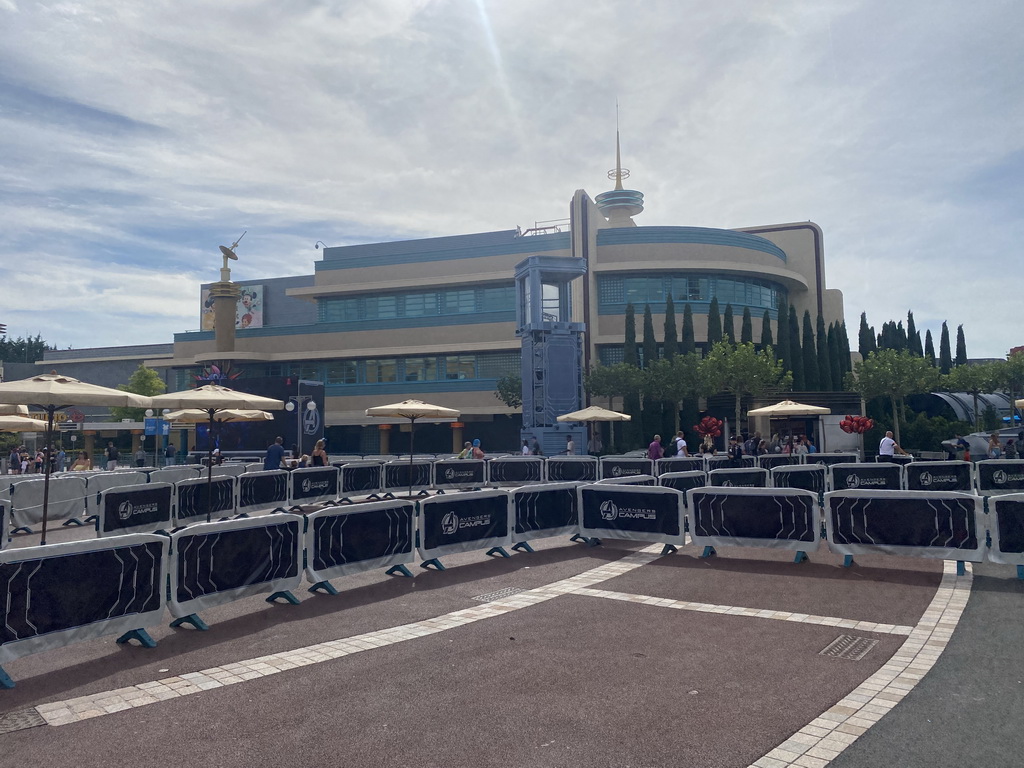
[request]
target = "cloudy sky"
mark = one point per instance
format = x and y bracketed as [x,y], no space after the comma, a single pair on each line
[139,136]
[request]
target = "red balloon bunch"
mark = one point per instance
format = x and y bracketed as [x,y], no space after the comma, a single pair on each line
[709,425]
[856,425]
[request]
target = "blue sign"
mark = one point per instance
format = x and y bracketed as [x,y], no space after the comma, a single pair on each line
[158,427]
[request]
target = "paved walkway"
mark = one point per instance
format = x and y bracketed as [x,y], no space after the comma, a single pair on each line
[570,656]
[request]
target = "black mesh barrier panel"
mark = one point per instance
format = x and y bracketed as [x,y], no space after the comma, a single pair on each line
[361,478]
[541,510]
[807,478]
[624,467]
[192,498]
[939,476]
[946,523]
[1003,476]
[828,459]
[256,489]
[396,474]
[1010,525]
[143,507]
[314,483]
[360,535]
[882,476]
[753,516]
[503,471]
[770,460]
[638,512]
[459,473]
[571,471]
[740,478]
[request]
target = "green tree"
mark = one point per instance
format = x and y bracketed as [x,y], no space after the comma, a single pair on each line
[973,379]
[865,337]
[629,351]
[671,348]
[783,348]
[671,382]
[796,352]
[1011,376]
[619,380]
[144,381]
[728,325]
[961,347]
[714,323]
[689,343]
[945,356]
[746,328]
[834,358]
[650,347]
[810,356]
[766,331]
[892,375]
[510,390]
[913,337]
[22,350]
[824,358]
[929,347]
[845,363]
[742,370]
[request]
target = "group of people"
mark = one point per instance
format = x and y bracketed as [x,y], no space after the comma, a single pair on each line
[739,445]
[22,461]
[274,458]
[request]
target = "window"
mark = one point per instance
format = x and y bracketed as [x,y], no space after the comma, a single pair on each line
[502,298]
[497,364]
[381,371]
[458,302]
[421,369]
[381,307]
[420,304]
[460,367]
[342,372]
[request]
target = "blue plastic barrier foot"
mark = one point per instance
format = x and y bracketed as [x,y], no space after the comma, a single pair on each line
[388,496]
[192,619]
[21,529]
[324,586]
[5,679]
[242,516]
[522,546]
[1020,571]
[709,551]
[801,556]
[432,562]
[668,549]
[847,561]
[960,569]
[93,519]
[73,521]
[400,569]
[497,551]
[593,541]
[285,595]
[138,634]
[580,537]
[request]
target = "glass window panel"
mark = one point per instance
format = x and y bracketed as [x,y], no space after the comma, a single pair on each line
[342,372]
[458,302]
[460,367]
[497,364]
[421,369]
[420,304]
[380,371]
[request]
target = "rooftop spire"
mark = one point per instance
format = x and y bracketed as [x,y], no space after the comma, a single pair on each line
[621,204]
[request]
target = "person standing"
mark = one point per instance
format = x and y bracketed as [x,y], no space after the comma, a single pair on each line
[596,446]
[995,450]
[319,457]
[526,447]
[112,456]
[140,458]
[478,452]
[275,455]
[14,462]
[681,444]
[735,452]
[888,448]
[62,459]
[467,451]
[169,455]
[570,445]
[654,450]
[536,450]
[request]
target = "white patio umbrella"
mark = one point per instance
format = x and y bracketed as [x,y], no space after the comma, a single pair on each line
[412,410]
[13,410]
[595,413]
[789,408]
[211,400]
[21,424]
[51,392]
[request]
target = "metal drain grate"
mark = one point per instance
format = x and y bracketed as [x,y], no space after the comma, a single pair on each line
[20,720]
[507,592]
[849,647]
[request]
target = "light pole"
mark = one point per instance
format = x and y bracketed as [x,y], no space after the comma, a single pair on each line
[294,404]
[158,428]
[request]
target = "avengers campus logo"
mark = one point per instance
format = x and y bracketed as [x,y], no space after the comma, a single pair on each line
[126,509]
[315,485]
[927,478]
[451,522]
[1002,477]
[611,511]
[856,481]
[625,471]
[453,475]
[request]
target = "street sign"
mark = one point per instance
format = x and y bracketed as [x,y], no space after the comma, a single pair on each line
[157,427]
[69,426]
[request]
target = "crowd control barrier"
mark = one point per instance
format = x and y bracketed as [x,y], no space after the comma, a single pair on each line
[636,513]
[312,485]
[679,464]
[541,511]
[191,498]
[464,522]
[228,469]
[828,459]
[397,473]
[945,525]
[629,480]
[997,476]
[683,481]
[359,537]
[58,594]
[772,460]
[260,491]
[782,518]
[1007,530]
[66,501]
[4,522]
[722,461]
[625,466]
[897,458]
[98,482]
[939,476]
[571,469]
[515,470]
[745,477]
[881,476]
[174,474]
[135,509]
[459,474]
[216,563]
[808,477]
[360,478]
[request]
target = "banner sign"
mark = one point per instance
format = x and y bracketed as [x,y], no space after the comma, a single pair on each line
[545,510]
[939,476]
[396,475]
[679,464]
[881,476]
[724,462]
[683,481]
[809,478]
[515,470]
[135,509]
[359,537]
[66,500]
[263,490]
[58,594]
[944,525]
[1000,476]
[828,459]
[313,484]
[459,473]
[780,518]
[361,478]
[191,504]
[464,522]
[738,478]
[1008,529]
[770,460]
[572,469]
[625,466]
[217,563]
[637,513]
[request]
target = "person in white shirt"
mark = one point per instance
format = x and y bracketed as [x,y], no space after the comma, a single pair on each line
[888,448]
[681,444]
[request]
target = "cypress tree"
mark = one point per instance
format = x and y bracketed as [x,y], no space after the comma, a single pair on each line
[846,364]
[714,323]
[766,333]
[747,328]
[900,337]
[633,430]
[945,356]
[650,344]
[629,351]
[961,347]
[671,342]
[929,347]
[689,344]
[824,358]
[782,348]
[728,326]
[833,357]
[799,385]
[810,355]
[865,337]
[913,337]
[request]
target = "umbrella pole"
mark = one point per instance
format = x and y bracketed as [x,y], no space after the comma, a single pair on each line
[209,470]
[46,479]
[412,440]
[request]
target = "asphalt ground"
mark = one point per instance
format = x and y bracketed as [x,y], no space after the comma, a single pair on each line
[569,656]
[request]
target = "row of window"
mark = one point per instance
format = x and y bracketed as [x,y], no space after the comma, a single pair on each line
[455,301]
[655,289]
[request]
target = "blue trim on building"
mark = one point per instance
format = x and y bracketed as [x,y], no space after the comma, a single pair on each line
[697,307]
[412,387]
[701,235]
